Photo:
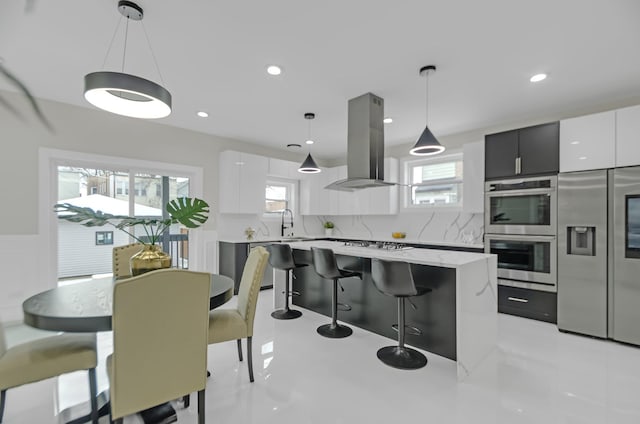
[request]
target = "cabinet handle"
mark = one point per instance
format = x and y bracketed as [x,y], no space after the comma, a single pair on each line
[518,165]
[518,299]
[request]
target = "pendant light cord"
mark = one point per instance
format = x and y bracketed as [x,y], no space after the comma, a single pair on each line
[427,96]
[152,52]
[126,36]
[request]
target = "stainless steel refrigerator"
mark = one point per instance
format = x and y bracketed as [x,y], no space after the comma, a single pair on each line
[599,253]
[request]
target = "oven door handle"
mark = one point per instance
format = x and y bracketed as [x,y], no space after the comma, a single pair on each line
[529,191]
[523,238]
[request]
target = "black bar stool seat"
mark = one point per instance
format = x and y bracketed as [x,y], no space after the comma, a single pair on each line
[325,265]
[394,278]
[281,257]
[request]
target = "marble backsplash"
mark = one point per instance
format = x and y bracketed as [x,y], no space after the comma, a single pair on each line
[440,226]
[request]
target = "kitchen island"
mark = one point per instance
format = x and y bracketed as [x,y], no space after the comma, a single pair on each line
[458,318]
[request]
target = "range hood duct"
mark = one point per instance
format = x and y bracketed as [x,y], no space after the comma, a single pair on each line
[365,145]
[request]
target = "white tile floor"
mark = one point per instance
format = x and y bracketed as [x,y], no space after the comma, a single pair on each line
[536,375]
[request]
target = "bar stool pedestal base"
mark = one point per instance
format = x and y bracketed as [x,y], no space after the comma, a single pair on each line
[286,314]
[337,332]
[403,358]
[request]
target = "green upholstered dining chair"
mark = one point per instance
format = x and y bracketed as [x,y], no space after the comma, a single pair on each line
[121,256]
[154,359]
[39,358]
[236,324]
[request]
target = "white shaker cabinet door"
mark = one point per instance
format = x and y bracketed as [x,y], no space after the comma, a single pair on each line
[628,136]
[588,142]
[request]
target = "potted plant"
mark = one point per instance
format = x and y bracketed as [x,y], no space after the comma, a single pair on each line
[190,212]
[328,228]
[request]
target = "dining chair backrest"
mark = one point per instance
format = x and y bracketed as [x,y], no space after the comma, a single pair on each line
[160,333]
[250,285]
[393,277]
[121,257]
[324,263]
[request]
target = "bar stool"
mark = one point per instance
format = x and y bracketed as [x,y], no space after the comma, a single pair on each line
[324,263]
[395,279]
[281,257]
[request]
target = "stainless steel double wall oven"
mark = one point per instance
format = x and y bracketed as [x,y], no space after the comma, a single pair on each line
[521,227]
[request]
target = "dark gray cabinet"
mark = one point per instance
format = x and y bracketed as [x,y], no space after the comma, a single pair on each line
[523,152]
[534,304]
[231,259]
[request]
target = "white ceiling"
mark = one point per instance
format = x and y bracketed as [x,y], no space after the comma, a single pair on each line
[213,57]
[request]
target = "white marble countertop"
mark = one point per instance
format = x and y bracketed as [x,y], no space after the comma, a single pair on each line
[433,257]
[266,239]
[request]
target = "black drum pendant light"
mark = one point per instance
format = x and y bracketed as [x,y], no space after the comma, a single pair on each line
[126,94]
[309,166]
[427,144]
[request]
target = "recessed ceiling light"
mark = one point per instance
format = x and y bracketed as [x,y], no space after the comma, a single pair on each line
[203,114]
[294,145]
[309,141]
[387,120]
[582,157]
[538,77]
[575,142]
[274,70]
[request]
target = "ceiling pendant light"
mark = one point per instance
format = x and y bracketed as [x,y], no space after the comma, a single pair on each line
[309,166]
[126,94]
[427,144]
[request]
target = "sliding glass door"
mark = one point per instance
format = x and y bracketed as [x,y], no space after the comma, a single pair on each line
[86,251]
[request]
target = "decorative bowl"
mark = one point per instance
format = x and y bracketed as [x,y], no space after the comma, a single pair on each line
[398,235]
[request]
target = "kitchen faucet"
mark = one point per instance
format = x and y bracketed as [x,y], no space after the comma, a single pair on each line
[289,225]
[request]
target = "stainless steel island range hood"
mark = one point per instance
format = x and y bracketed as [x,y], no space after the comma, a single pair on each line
[365,145]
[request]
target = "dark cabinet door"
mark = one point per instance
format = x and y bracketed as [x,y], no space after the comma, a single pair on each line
[500,153]
[539,149]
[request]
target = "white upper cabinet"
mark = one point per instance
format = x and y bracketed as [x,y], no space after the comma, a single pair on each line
[628,136]
[283,169]
[346,200]
[588,142]
[314,198]
[473,177]
[382,200]
[242,182]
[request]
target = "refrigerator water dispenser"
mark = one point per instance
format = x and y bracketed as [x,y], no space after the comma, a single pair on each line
[580,241]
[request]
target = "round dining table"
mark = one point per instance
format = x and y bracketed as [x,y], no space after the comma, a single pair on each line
[86,307]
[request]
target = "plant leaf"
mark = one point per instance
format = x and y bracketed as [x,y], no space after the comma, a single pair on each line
[190,212]
[27,93]
[84,215]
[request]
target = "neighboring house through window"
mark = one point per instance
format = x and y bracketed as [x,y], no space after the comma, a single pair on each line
[279,195]
[433,181]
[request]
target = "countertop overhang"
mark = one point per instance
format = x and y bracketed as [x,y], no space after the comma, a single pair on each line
[432,257]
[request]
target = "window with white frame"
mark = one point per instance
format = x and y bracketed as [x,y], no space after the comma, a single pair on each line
[434,181]
[279,195]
